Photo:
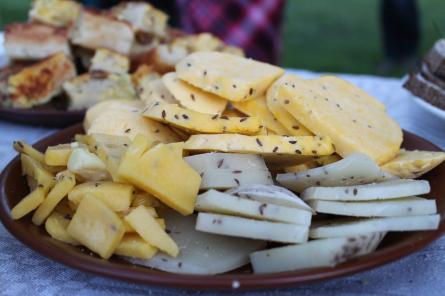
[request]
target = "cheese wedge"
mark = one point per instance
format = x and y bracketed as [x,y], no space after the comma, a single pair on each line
[132,245]
[384,190]
[223,203]
[231,77]
[408,206]
[335,228]
[292,125]
[355,169]
[194,121]
[348,115]
[249,228]
[270,194]
[229,161]
[316,253]
[227,178]
[265,145]
[147,227]
[258,108]
[193,98]
[413,164]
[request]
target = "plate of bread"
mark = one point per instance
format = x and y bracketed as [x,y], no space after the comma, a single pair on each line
[66,58]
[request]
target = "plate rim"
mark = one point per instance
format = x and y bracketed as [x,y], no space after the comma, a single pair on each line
[215,282]
[428,107]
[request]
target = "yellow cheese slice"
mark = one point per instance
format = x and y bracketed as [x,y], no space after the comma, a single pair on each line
[413,164]
[261,144]
[351,121]
[232,77]
[198,122]
[257,107]
[129,124]
[292,125]
[192,97]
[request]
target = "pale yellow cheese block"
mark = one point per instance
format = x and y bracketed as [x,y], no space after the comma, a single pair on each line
[349,118]
[258,107]
[413,164]
[261,144]
[162,172]
[232,77]
[129,124]
[198,122]
[193,98]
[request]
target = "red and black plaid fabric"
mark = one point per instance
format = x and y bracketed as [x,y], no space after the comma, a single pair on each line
[254,25]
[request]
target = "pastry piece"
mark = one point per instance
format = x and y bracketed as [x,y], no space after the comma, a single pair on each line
[40,82]
[56,13]
[90,88]
[109,61]
[143,17]
[34,41]
[94,30]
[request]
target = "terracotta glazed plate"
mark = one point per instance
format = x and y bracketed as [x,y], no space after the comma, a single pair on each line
[394,246]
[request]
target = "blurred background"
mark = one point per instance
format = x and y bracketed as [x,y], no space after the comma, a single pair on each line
[336,36]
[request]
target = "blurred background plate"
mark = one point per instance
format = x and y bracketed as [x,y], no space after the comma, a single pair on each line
[48,116]
[430,109]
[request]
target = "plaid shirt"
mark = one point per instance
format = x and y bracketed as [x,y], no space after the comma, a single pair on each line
[254,25]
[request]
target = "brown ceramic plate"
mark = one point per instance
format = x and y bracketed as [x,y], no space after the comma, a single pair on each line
[45,116]
[394,246]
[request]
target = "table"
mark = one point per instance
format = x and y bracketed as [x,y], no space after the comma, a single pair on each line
[22,270]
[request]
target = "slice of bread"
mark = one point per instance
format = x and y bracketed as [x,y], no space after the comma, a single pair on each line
[33,41]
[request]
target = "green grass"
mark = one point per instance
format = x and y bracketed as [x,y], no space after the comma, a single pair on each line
[322,35]
[344,35]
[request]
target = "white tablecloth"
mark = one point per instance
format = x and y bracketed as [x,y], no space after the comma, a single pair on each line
[24,272]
